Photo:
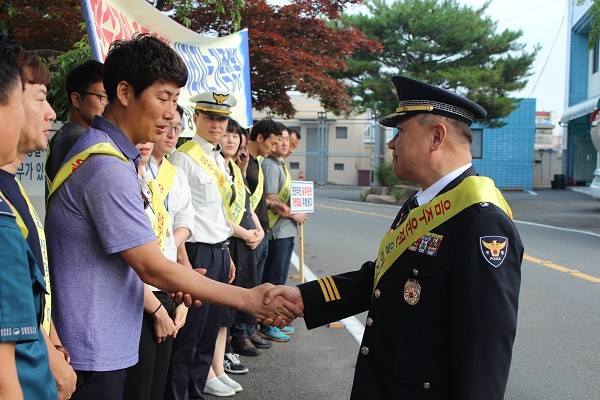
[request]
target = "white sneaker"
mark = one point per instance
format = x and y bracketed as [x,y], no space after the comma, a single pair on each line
[230,382]
[217,388]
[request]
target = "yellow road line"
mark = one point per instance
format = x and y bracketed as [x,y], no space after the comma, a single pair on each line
[355,211]
[573,272]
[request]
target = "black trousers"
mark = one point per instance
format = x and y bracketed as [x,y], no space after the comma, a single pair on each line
[99,385]
[193,348]
[146,380]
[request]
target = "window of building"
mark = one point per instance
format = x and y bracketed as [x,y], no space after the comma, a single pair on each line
[338,166]
[341,132]
[477,145]
[595,56]
[294,165]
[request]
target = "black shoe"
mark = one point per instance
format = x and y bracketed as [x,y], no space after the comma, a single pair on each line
[244,347]
[232,364]
[260,342]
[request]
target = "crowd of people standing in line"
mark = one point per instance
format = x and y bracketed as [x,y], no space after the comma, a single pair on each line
[130,222]
[131,235]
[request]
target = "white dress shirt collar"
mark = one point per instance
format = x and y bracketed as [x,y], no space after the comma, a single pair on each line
[425,196]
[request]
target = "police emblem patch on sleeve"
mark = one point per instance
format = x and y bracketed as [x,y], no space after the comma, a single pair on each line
[493,249]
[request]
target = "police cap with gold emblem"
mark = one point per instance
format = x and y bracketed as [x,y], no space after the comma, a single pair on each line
[417,97]
[214,103]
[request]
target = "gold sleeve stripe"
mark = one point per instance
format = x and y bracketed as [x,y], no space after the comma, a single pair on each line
[325,294]
[336,293]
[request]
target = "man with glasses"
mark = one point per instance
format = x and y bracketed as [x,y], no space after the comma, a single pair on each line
[86,94]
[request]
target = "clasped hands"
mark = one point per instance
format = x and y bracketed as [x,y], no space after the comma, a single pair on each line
[270,304]
[280,304]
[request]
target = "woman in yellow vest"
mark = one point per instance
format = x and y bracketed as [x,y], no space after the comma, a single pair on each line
[247,234]
[146,379]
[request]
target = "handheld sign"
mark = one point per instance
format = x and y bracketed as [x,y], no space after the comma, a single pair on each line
[302,199]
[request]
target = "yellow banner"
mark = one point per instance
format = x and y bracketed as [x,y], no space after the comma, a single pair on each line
[423,219]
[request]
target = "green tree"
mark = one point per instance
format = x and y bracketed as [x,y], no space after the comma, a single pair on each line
[292,47]
[594,12]
[296,46]
[442,43]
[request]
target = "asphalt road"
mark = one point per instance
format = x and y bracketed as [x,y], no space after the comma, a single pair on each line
[554,356]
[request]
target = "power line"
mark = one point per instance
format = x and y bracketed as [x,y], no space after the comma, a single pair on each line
[551,48]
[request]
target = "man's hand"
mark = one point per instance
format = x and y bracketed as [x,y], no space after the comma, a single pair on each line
[283,210]
[278,311]
[299,218]
[290,294]
[63,373]
[182,298]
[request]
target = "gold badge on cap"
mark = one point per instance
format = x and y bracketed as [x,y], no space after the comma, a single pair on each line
[412,292]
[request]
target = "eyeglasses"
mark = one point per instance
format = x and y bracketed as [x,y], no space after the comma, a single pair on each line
[102,97]
[175,128]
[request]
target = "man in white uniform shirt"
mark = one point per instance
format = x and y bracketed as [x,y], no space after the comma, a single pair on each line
[204,167]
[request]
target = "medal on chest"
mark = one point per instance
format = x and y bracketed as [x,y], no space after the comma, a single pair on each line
[412,292]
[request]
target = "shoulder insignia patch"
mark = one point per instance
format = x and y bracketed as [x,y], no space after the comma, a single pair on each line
[493,249]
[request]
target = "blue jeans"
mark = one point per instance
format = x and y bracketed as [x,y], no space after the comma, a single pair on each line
[277,266]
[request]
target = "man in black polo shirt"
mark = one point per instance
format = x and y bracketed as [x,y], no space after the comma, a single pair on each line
[86,94]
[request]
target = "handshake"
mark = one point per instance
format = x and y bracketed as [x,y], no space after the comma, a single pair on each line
[275,305]
[280,304]
[270,304]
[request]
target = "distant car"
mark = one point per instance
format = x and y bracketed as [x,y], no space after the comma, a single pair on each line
[595,185]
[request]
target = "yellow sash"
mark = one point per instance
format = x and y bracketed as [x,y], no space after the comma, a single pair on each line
[258,191]
[197,153]
[70,166]
[284,196]
[423,219]
[165,177]
[236,209]
[47,312]
[161,215]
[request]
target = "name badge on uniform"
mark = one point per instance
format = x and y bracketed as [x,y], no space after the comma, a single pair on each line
[412,292]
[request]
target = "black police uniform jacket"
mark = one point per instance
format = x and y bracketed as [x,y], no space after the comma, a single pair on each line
[456,342]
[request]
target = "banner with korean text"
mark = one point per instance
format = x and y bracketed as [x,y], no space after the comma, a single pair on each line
[214,63]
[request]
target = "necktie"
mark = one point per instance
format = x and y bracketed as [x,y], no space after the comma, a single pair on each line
[412,204]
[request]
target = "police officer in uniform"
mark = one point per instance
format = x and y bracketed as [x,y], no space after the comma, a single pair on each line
[442,294]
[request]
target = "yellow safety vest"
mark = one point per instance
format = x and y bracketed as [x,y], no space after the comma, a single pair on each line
[237,207]
[197,153]
[75,162]
[258,191]
[283,195]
